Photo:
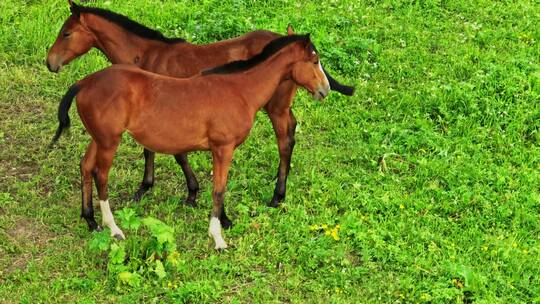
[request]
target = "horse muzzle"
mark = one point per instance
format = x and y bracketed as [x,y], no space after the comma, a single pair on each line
[54,62]
[321,93]
[55,68]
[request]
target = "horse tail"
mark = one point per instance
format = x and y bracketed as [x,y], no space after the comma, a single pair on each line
[336,86]
[63,111]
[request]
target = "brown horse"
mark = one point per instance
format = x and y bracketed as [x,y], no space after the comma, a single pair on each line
[125,41]
[212,111]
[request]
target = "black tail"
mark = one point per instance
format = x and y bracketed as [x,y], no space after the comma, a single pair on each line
[338,87]
[63,111]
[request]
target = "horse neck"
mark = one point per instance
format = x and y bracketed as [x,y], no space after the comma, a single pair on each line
[116,43]
[262,80]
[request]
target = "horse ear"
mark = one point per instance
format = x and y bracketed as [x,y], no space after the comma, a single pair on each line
[74,8]
[290,30]
[308,45]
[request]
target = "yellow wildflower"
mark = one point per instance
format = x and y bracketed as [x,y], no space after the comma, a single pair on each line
[401,206]
[173,258]
[457,283]
[334,234]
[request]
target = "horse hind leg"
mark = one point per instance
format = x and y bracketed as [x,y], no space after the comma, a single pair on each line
[191,180]
[104,157]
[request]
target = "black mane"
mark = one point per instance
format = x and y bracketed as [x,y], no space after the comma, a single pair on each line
[270,49]
[126,23]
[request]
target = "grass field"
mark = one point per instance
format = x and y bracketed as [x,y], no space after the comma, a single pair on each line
[431,171]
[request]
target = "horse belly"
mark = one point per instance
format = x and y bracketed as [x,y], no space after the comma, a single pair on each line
[171,142]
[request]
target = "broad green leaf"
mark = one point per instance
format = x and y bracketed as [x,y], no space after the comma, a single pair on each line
[100,241]
[162,232]
[160,270]
[117,255]
[128,218]
[129,278]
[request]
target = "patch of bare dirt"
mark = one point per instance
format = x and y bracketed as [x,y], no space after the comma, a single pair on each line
[21,141]
[30,237]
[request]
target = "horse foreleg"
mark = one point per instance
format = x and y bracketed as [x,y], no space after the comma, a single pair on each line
[104,159]
[87,166]
[284,126]
[221,157]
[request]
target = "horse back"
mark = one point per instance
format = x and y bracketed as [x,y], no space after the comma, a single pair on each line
[184,59]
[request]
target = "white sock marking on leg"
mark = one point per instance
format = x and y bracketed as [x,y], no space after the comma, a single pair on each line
[214,230]
[108,219]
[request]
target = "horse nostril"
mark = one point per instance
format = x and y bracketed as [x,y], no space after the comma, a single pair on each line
[51,69]
[323,93]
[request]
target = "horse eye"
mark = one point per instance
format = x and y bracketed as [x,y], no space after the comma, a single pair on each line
[66,34]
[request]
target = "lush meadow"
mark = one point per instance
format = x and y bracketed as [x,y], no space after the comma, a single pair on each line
[423,187]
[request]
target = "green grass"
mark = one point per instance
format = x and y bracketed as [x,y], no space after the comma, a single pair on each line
[431,169]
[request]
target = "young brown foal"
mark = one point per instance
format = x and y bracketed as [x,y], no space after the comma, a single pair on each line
[125,41]
[212,111]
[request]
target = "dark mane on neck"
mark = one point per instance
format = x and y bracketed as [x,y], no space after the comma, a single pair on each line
[128,24]
[270,49]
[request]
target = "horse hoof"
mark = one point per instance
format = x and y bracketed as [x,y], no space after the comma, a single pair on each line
[191,202]
[117,233]
[273,203]
[138,195]
[143,188]
[99,229]
[221,246]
